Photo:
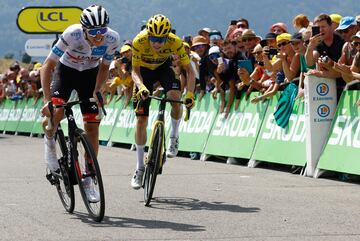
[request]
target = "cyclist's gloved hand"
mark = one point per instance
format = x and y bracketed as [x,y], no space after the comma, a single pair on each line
[142,93]
[189,100]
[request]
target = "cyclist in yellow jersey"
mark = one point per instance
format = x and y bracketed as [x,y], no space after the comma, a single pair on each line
[151,61]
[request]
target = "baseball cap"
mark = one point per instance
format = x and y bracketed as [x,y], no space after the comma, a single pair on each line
[214,50]
[283,37]
[125,48]
[357,35]
[208,30]
[335,18]
[296,37]
[215,34]
[346,22]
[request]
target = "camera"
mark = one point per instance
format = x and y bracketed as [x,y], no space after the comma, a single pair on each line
[124,60]
[325,59]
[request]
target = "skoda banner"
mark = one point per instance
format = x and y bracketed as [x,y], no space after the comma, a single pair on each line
[341,153]
[320,106]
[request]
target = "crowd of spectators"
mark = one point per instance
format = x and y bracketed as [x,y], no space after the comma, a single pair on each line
[18,83]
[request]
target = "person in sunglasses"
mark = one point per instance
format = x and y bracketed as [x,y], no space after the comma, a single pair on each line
[78,61]
[151,62]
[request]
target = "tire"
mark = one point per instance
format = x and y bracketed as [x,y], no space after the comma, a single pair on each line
[83,147]
[63,182]
[153,164]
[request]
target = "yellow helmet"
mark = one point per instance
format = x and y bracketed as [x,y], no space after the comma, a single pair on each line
[158,26]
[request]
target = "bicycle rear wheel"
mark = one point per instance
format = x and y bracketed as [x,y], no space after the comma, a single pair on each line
[88,173]
[63,182]
[153,163]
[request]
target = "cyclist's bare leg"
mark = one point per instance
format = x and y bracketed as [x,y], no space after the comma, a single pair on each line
[176,112]
[92,131]
[140,140]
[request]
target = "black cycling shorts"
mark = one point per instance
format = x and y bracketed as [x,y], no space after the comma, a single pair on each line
[165,75]
[66,79]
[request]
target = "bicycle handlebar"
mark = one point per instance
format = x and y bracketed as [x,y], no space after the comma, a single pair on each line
[187,115]
[51,106]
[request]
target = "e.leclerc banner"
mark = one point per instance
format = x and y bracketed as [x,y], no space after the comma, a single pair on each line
[342,149]
[235,136]
[282,145]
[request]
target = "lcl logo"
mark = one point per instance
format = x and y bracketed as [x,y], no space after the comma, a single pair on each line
[52,16]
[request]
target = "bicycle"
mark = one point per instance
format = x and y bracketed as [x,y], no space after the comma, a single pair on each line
[156,156]
[77,162]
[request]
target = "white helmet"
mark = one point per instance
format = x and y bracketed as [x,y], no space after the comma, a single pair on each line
[94,16]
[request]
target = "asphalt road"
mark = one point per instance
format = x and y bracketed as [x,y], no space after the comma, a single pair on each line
[194,200]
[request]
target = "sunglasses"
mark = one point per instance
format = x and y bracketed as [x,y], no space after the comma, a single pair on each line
[356,44]
[214,56]
[95,31]
[157,39]
[344,30]
[294,43]
[244,40]
[282,44]
[241,26]
[197,47]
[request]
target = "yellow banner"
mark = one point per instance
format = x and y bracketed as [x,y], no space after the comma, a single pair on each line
[47,19]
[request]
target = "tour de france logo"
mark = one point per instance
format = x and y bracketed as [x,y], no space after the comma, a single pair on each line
[322,89]
[323,110]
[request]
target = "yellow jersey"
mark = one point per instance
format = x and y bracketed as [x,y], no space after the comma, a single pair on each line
[143,55]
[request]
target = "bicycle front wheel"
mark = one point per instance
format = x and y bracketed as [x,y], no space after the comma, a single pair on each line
[63,181]
[153,163]
[89,176]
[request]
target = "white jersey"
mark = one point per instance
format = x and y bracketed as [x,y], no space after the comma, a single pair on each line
[74,50]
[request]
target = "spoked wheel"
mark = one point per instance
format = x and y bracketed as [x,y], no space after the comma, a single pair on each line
[89,177]
[63,184]
[153,164]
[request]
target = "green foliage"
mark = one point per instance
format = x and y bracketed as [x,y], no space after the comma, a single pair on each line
[26,58]
[9,56]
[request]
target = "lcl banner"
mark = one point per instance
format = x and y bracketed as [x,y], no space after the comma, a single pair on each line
[47,20]
[320,107]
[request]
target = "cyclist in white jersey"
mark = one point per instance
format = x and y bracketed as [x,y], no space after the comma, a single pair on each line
[78,61]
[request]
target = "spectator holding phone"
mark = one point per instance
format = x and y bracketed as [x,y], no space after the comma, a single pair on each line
[224,76]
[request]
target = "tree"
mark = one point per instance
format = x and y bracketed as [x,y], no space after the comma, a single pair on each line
[9,56]
[26,58]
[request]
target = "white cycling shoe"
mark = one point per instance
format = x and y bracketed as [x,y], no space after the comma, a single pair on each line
[92,195]
[136,180]
[173,148]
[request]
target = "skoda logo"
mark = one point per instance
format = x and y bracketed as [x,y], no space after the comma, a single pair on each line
[323,110]
[322,89]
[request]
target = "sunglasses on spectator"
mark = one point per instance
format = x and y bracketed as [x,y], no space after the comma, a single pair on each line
[344,30]
[293,43]
[157,39]
[95,31]
[356,44]
[214,56]
[282,44]
[200,46]
[244,40]
[241,25]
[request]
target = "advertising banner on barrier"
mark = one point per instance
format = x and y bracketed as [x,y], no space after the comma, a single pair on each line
[342,150]
[14,115]
[320,106]
[282,145]
[194,133]
[5,107]
[28,116]
[124,131]
[235,136]
[107,123]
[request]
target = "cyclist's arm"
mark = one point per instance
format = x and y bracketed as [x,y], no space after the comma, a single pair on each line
[45,77]
[101,75]
[136,76]
[190,75]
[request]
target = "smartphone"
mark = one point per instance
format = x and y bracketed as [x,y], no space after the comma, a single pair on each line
[245,64]
[233,22]
[220,60]
[273,51]
[315,30]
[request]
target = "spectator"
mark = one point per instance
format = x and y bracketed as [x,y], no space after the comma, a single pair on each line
[224,75]
[194,61]
[328,44]
[269,40]
[347,28]
[279,28]
[201,46]
[335,20]
[250,40]
[216,38]
[300,23]
[353,72]
[237,28]
[205,33]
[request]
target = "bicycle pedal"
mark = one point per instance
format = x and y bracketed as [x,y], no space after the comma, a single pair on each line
[50,178]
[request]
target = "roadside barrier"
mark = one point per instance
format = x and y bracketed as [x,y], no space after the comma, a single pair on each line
[250,132]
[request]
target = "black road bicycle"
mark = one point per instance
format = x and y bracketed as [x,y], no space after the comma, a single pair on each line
[156,155]
[78,163]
